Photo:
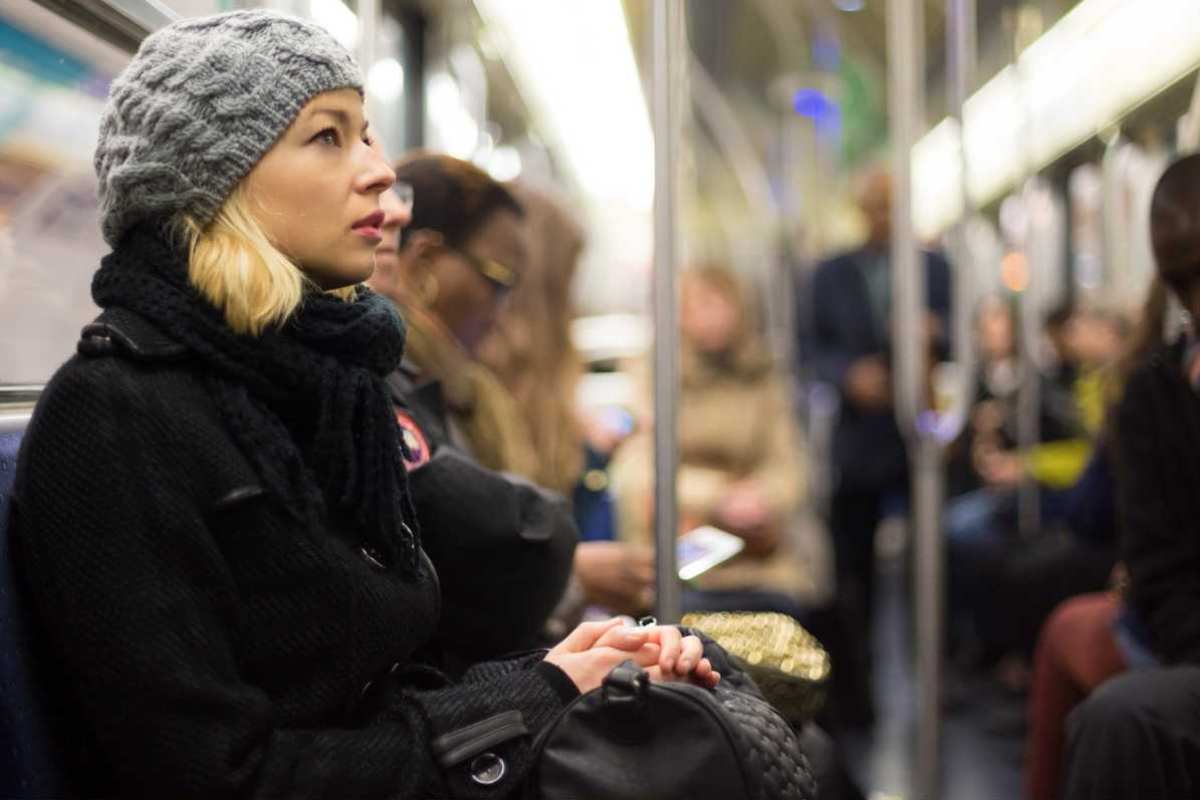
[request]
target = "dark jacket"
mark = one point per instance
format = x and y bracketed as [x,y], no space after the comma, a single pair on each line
[1158,502]
[839,329]
[202,644]
[487,533]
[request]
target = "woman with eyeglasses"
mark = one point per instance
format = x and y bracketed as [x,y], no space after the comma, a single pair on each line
[211,512]
[449,272]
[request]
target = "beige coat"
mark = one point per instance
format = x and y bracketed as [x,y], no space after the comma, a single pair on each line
[735,423]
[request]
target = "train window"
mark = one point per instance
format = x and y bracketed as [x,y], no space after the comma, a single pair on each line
[53,80]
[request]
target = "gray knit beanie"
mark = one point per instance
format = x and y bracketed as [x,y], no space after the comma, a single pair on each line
[200,104]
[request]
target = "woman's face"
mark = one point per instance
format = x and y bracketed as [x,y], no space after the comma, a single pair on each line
[468,302]
[996,332]
[709,320]
[316,193]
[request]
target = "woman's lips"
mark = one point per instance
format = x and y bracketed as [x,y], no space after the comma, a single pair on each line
[370,226]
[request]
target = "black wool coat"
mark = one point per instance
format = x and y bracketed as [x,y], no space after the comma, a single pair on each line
[202,643]
[1158,503]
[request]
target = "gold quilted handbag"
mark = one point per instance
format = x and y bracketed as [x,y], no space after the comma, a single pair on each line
[787,662]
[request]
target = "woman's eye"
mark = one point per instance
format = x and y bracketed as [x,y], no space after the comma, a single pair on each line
[327,136]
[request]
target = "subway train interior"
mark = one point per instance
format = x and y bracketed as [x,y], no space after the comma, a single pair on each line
[845,331]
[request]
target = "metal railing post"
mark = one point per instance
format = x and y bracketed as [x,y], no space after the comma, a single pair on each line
[905,110]
[668,18]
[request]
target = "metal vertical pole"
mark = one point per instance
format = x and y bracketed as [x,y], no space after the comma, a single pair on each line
[1029,396]
[905,89]
[961,59]
[368,25]
[668,15]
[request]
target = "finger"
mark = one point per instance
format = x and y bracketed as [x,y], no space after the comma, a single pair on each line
[703,669]
[645,656]
[658,676]
[691,650]
[623,637]
[585,635]
[669,637]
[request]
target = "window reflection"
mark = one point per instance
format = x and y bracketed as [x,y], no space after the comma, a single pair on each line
[50,243]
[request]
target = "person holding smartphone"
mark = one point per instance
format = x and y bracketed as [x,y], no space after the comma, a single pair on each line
[740,455]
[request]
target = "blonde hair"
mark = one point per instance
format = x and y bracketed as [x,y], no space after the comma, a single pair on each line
[234,264]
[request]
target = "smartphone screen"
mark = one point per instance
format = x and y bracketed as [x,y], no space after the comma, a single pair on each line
[703,548]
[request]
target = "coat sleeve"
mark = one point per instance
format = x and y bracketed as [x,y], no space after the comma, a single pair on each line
[137,604]
[1161,547]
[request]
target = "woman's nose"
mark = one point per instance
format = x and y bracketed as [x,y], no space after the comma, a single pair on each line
[377,175]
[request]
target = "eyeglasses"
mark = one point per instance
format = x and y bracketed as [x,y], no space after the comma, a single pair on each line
[404,193]
[502,279]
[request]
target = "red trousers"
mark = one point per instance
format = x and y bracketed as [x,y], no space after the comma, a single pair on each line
[1077,651]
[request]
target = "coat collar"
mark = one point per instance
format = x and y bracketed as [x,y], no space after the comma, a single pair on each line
[120,330]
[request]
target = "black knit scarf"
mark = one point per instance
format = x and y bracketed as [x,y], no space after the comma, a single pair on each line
[306,401]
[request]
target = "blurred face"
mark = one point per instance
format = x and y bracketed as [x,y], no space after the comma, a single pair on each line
[876,205]
[996,332]
[708,319]
[471,280]
[317,191]
[1093,339]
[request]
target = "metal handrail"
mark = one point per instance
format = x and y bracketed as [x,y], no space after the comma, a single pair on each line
[962,56]
[905,29]
[122,23]
[1189,133]
[668,36]
[905,34]
[20,394]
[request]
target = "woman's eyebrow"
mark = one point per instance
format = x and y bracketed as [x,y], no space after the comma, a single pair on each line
[342,117]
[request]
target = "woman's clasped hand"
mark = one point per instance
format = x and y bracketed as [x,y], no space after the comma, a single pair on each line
[593,649]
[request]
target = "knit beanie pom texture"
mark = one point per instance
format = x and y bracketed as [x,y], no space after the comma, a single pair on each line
[200,104]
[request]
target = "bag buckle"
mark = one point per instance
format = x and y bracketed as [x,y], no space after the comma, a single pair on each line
[627,687]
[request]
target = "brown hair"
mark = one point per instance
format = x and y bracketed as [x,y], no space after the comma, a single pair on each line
[1175,226]
[452,197]
[531,350]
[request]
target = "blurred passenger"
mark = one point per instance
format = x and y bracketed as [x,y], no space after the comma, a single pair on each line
[849,342]
[1003,584]
[474,516]
[740,456]
[1078,648]
[530,348]
[531,351]
[1140,735]
[232,593]
[456,268]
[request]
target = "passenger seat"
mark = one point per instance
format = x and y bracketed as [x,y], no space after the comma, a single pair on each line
[30,765]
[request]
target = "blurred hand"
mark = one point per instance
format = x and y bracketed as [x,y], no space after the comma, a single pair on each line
[987,418]
[869,384]
[1002,469]
[602,435]
[616,575]
[933,329]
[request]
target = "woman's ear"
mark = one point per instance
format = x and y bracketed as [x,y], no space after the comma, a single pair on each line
[420,253]
[422,245]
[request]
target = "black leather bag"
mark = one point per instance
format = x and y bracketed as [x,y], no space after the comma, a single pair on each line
[636,740]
